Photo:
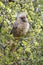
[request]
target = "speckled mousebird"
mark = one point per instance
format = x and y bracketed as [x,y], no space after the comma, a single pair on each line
[21,25]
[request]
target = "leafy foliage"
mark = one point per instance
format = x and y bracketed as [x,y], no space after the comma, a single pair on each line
[29,49]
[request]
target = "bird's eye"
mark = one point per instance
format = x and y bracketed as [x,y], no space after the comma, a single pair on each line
[22,17]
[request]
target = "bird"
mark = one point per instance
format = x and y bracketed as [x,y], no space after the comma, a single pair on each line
[21,25]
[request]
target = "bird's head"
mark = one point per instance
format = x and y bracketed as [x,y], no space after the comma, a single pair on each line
[23,17]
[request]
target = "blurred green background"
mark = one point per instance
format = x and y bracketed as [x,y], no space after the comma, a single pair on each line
[29,49]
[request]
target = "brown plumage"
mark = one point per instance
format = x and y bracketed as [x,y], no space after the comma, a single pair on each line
[21,26]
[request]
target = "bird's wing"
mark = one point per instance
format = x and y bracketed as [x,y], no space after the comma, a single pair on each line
[15,25]
[14,29]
